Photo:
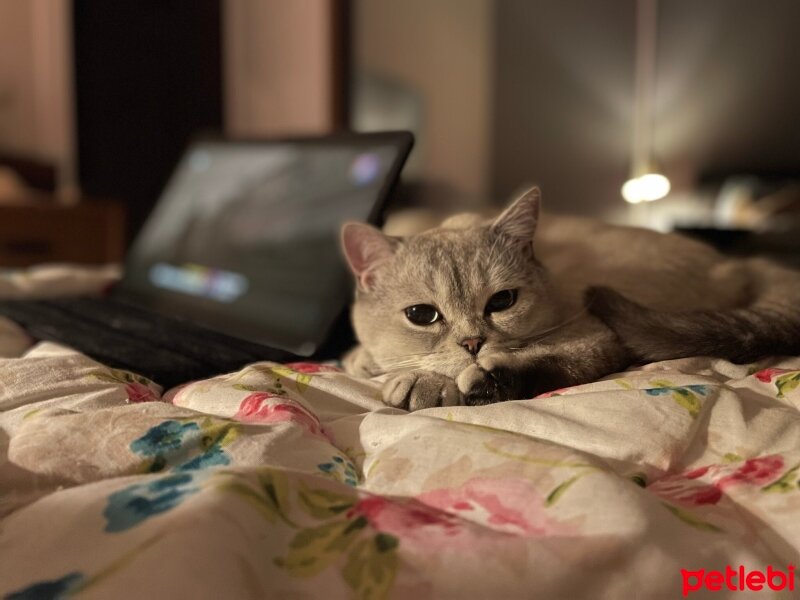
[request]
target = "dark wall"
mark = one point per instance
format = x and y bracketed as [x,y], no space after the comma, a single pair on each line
[727,94]
[148,76]
[563,78]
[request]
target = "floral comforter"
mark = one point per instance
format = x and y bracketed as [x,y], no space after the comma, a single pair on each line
[294,481]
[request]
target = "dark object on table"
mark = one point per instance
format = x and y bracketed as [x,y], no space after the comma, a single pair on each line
[39,229]
[780,246]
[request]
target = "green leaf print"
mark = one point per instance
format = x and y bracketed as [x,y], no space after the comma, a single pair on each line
[687,400]
[244,387]
[553,497]
[687,396]
[785,484]
[690,519]
[315,549]
[272,386]
[252,497]
[624,383]
[272,500]
[302,380]
[371,567]
[323,504]
[218,432]
[787,383]
[276,488]
[341,537]
[119,376]
[32,413]
[639,479]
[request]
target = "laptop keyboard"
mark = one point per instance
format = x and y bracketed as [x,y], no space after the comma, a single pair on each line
[119,335]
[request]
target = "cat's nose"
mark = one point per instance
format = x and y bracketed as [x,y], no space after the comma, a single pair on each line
[472,345]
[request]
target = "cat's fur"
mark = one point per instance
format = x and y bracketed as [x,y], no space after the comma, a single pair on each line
[592,299]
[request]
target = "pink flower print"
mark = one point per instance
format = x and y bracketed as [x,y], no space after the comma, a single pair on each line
[408,520]
[507,505]
[173,396]
[682,490]
[685,490]
[455,520]
[766,375]
[696,473]
[251,407]
[756,471]
[138,392]
[259,408]
[310,368]
[785,381]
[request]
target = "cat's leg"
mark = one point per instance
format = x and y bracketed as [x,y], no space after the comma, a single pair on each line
[360,363]
[583,352]
[415,390]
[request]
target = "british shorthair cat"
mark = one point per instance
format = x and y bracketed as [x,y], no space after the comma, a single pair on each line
[478,311]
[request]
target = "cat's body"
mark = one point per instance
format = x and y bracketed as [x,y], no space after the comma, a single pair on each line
[513,319]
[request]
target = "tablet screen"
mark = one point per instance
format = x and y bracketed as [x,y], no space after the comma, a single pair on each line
[245,238]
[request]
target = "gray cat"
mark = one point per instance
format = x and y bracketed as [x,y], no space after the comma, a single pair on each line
[479,311]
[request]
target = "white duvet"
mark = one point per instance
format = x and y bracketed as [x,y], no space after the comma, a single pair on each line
[678,478]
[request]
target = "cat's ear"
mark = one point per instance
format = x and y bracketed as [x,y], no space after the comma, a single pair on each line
[365,248]
[519,220]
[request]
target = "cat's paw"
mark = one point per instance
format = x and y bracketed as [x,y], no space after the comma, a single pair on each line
[359,362]
[478,386]
[415,390]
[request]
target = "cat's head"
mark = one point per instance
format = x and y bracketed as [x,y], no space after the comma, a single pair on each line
[438,299]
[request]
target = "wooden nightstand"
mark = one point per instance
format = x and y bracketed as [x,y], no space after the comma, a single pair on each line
[40,230]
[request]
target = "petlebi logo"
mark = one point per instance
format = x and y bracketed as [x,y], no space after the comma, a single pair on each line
[738,579]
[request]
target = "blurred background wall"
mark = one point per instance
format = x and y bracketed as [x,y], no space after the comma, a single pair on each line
[541,91]
[284,66]
[725,98]
[428,66]
[500,93]
[36,82]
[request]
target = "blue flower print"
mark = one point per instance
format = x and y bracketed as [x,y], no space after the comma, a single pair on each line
[659,391]
[686,396]
[341,470]
[162,438]
[212,457]
[55,589]
[130,506]
[173,443]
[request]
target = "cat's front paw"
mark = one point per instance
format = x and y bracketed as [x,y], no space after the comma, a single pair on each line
[415,390]
[478,386]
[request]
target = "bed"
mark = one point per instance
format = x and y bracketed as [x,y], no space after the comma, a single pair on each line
[295,481]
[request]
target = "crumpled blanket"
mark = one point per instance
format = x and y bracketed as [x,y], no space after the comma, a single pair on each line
[295,481]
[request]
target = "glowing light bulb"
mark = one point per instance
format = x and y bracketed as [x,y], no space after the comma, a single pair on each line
[645,188]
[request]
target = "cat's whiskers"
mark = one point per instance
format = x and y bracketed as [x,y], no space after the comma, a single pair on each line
[413,354]
[417,360]
[438,360]
[544,333]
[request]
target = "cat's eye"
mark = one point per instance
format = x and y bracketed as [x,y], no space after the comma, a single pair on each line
[422,314]
[501,301]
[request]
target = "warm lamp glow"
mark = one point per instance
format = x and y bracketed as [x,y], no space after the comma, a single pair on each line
[647,187]
[645,184]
